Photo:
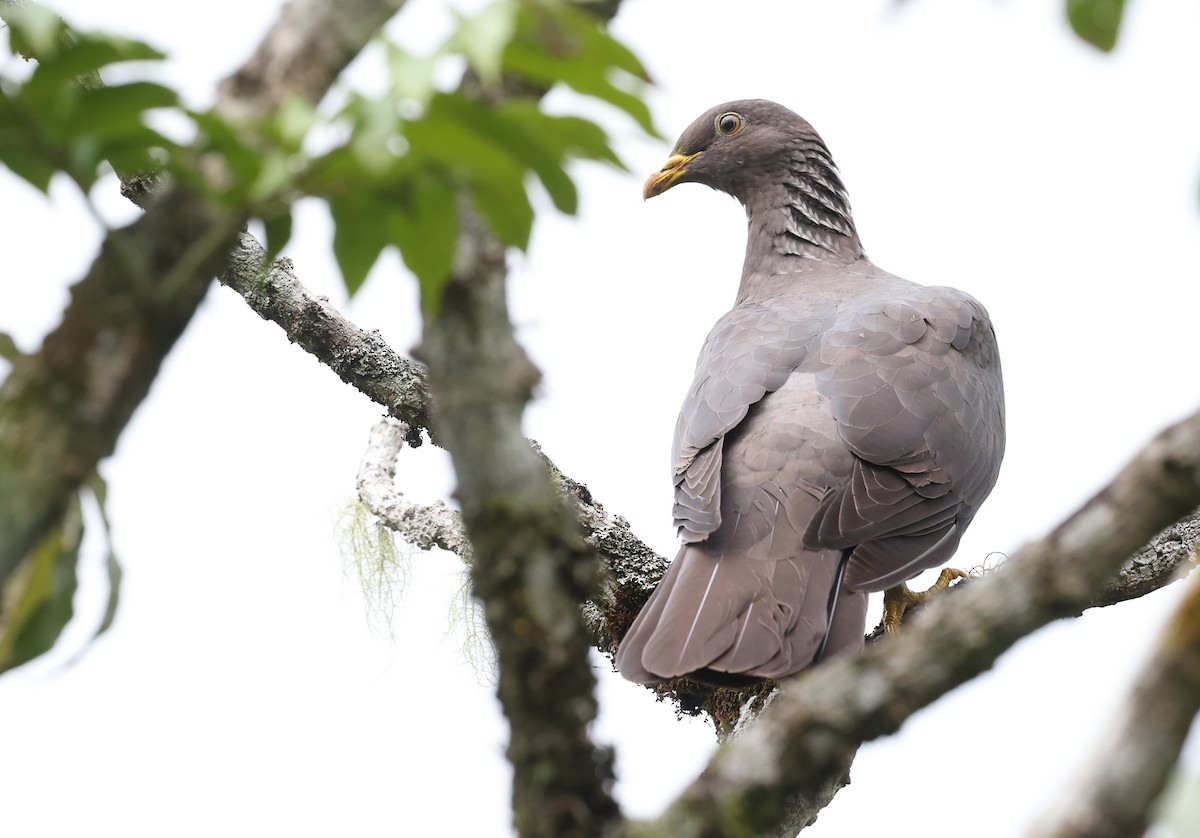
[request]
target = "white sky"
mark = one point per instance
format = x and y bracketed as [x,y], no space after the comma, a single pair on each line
[243,689]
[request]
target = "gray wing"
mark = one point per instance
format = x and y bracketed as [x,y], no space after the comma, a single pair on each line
[744,596]
[915,387]
[751,599]
[750,352]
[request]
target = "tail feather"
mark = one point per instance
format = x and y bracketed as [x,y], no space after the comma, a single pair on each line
[733,614]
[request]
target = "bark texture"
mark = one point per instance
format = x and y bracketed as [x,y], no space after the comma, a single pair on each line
[360,358]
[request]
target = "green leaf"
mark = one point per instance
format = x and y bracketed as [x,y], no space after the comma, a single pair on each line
[533,63]
[38,597]
[505,207]
[62,119]
[116,111]
[22,148]
[291,122]
[80,58]
[8,348]
[225,139]
[376,127]
[274,175]
[1096,21]
[412,76]
[558,43]
[425,228]
[458,132]
[360,232]
[582,138]
[112,565]
[34,29]
[279,233]
[30,166]
[469,142]
[526,134]
[545,143]
[483,37]
[140,153]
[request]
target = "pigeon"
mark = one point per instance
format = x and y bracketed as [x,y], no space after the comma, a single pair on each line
[842,429]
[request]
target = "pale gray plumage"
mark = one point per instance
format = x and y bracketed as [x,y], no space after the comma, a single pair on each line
[842,422]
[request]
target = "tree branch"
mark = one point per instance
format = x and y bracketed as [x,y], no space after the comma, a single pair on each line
[423,526]
[530,569]
[1116,792]
[1170,555]
[807,737]
[360,358]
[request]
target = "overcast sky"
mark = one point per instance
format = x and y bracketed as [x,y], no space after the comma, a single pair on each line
[244,688]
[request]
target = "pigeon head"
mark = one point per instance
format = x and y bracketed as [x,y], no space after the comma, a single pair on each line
[777,166]
[738,148]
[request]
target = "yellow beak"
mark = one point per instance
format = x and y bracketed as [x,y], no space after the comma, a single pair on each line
[668,175]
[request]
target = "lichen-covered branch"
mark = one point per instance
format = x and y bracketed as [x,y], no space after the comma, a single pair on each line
[64,407]
[630,569]
[360,358]
[423,525]
[1170,555]
[1115,793]
[806,738]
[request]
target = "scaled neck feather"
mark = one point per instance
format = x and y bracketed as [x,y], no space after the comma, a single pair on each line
[806,215]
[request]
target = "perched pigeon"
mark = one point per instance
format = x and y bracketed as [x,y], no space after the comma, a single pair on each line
[843,427]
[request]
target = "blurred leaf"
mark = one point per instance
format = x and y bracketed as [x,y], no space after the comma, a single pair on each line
[62,119]
[546,143]
[412,76]
[425,229]
[279,232]
[483,37]
[458,132]
[115,576]
[34,30]
[360,232]
[505,207]
[85,56]
[140,151]
[560,43]
[527,134]
[8,348]
[116,111]
[29,166]
[99,490]
[292,121]
[38,596]
[1096,21]
[220,136]
[375,132]
[274,175]
[579,137]
[466,138]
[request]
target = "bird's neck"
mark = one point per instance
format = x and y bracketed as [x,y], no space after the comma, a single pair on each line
[806,216]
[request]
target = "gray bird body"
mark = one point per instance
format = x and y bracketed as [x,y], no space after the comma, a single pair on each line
[842,429]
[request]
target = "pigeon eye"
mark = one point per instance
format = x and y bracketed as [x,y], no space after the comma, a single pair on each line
[730,123]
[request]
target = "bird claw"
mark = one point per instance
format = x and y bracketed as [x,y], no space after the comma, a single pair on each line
[901,599]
